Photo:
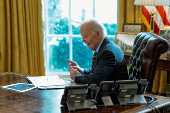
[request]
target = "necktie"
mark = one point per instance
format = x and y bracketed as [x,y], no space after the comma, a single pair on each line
[93,59]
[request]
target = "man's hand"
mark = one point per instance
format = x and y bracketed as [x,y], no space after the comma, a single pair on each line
[74,73]
[73,65]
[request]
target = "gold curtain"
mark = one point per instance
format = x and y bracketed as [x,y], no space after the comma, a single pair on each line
[21,37]
[160,81]
[130,13]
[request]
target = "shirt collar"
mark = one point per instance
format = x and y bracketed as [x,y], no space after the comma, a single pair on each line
[98,47]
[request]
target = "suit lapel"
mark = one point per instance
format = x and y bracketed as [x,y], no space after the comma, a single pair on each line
[105,41]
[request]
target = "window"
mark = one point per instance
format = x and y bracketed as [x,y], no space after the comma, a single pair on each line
[63,41]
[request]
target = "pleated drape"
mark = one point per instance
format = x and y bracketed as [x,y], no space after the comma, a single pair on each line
[130,13]
[21,37]
[160,81]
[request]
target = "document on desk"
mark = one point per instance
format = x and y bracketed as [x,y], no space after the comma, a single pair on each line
[47,82]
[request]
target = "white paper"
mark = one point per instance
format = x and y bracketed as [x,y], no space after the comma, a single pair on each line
[47,81]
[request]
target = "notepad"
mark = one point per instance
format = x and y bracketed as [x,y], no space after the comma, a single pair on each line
[47,82]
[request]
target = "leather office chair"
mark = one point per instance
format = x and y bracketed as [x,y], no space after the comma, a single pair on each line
[147,48]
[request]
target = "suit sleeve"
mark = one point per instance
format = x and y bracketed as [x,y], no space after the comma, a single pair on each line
[106,64]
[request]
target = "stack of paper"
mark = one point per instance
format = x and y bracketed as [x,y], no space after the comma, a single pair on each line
[44,82]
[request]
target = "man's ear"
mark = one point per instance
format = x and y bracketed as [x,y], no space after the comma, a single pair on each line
[98,33]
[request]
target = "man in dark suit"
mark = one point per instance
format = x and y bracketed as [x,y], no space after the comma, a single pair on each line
[109,64]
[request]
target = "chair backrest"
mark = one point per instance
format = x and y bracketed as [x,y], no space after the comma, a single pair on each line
[147,48]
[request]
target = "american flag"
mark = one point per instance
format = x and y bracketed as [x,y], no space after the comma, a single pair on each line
[161,18]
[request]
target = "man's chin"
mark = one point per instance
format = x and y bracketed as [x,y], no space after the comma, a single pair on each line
[90,49]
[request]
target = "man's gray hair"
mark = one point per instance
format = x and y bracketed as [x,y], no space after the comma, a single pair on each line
[96,26]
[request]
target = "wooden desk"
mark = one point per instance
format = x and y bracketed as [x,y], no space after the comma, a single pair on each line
[48,101]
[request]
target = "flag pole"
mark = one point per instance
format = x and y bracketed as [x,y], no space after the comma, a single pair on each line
[152,21]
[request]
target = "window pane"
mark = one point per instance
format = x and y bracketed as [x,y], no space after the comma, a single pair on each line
[81,54]
[58,51]
[80,11]
[63,19]
[107,14]
[58,14]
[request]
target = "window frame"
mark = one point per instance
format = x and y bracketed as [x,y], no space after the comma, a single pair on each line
[70,35]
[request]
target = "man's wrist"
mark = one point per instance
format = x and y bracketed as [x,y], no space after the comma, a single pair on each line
[82,71]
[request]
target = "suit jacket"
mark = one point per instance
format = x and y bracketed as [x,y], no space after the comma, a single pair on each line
[109,65]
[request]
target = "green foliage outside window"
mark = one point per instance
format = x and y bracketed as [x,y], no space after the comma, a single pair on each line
[58,46]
